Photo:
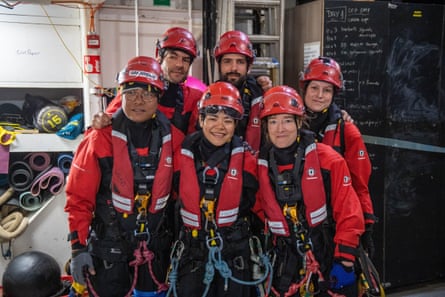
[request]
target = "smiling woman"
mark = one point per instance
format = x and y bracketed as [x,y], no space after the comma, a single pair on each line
[219,109]
[218,168]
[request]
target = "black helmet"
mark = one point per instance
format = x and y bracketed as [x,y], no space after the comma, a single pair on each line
[34,274]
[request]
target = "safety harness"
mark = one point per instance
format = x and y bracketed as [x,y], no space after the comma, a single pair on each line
[144,171]
[288,192]
[211,178]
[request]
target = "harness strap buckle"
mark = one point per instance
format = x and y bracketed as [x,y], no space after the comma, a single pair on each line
[210,175]
[142,233]
[214,240]
[238,263]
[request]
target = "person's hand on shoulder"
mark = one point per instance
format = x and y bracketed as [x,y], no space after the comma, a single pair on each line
[265,82]
[346,116]
[101,120]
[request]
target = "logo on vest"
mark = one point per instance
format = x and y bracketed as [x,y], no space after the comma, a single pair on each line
[255,121]
[311,173]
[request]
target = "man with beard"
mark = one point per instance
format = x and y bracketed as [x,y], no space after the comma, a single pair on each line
[234,54]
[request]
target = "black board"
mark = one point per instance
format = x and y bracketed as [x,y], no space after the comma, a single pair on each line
[392,58]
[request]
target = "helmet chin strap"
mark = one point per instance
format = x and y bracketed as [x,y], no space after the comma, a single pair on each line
[314,114]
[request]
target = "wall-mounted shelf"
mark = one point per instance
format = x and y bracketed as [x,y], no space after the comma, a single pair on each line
[42,142]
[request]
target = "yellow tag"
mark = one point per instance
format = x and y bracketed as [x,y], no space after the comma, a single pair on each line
[79,288]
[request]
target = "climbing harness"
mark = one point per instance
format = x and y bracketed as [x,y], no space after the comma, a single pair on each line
[144,172]
[311,268]
[215,243]
[215,261]
[144,256]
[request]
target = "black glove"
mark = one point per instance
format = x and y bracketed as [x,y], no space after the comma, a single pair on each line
[367,240]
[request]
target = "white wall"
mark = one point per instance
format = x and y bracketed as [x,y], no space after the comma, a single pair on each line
[116,27]
[119,37]
[47,233]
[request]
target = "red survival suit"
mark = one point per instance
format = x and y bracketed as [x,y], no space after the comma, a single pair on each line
[249,127]
[227,177]
[108,170]
[346,139]
[315,179]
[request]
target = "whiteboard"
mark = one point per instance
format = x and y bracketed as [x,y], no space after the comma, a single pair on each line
[38,53]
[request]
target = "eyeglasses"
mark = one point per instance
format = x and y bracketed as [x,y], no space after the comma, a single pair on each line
[146,96]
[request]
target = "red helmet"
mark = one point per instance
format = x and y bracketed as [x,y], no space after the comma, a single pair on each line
[222,96]
[323,69]
[281,99]
[178,38]
[142,69]
[234,42]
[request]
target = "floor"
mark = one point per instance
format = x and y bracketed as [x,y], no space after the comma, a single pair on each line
[429,290]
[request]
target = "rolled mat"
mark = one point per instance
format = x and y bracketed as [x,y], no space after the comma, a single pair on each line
[21,176]
[64,162]
[52,179]
[29,202]
[39,161]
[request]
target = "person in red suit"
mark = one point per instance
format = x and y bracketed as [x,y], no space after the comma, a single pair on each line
[309,204]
